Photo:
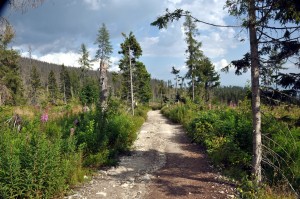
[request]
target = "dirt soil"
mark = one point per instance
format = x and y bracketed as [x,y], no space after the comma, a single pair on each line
[163,164]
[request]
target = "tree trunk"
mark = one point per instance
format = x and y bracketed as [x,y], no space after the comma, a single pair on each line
[65,98]
[256,115]
[103,85]
[193,84]
[131,83]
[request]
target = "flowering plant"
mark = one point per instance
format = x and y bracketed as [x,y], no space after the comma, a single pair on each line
[44,117]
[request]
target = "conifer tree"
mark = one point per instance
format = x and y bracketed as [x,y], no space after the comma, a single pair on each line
[35,83]
[272,25]
[84,62]
[103,55]
[65,84]
[131,51]
[209,78]
[52,87]
[176,72]
[11,86]
[142,83]
[194,54]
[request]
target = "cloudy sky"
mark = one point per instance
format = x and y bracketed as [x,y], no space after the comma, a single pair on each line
[55,30]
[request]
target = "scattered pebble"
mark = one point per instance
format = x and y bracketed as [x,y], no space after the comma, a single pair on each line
[101,193]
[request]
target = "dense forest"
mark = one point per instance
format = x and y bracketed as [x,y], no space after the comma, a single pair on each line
[58,123]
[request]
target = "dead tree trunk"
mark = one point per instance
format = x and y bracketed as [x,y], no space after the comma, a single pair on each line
[103,85]
[131,83]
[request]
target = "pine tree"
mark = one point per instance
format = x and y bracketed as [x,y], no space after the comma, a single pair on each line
[35,83]
[52,87]
[142,83]
[65,84]
[11,86]
[194,54]
[84,62]
[103,54]
[75,84]
[209,78]
[131,51]
[259,18]
[176,73]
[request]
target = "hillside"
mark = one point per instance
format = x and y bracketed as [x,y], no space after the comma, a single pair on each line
[44,69]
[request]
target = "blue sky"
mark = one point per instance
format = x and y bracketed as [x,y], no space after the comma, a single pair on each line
[55,30]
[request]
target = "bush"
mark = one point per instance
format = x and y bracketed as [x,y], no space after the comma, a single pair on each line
[46,157]
[31,165]
[227,136]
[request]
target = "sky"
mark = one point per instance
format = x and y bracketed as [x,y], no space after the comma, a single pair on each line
[55,30]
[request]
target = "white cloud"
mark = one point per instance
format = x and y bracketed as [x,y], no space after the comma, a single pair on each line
[68,59]
[221,64]
[58,41]
[114,65]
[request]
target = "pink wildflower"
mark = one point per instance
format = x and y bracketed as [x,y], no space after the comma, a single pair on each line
[44,117]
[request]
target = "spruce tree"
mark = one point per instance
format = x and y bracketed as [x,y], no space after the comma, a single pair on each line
[52,87]
[103,55]
[131,51]
[65,84]
[142,83]
[35,83]
[11,86]
[208,77]
[194,54]
[84,62]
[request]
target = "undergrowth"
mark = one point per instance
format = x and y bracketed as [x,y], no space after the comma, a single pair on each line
[43,156]
[226,133]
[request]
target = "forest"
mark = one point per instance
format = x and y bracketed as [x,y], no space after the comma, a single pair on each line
[59,124]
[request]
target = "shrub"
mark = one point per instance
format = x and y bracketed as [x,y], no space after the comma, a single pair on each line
[227,136]
[31,165]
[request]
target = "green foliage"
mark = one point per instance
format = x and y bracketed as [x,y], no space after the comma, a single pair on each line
[104,46]
[34,166]
[84,61]
[181,113]
[227,136]
[35,83]
[142,83]
[52,87]
[10,81]
[89,92]
[65,84]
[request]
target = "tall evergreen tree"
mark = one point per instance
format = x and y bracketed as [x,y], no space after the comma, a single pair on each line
[75,84]
[103,54]
[52,87]
[272,25]
[84,62]
[65,84]
[209,77]
[176,73]
[11,86]
[142,83]
[131,51]
[35,83]
[194,54]
[259,17]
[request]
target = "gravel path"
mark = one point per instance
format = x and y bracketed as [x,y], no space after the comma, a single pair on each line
[163,164]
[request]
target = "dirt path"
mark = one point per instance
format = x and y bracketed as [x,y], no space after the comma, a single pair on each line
[163,164]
